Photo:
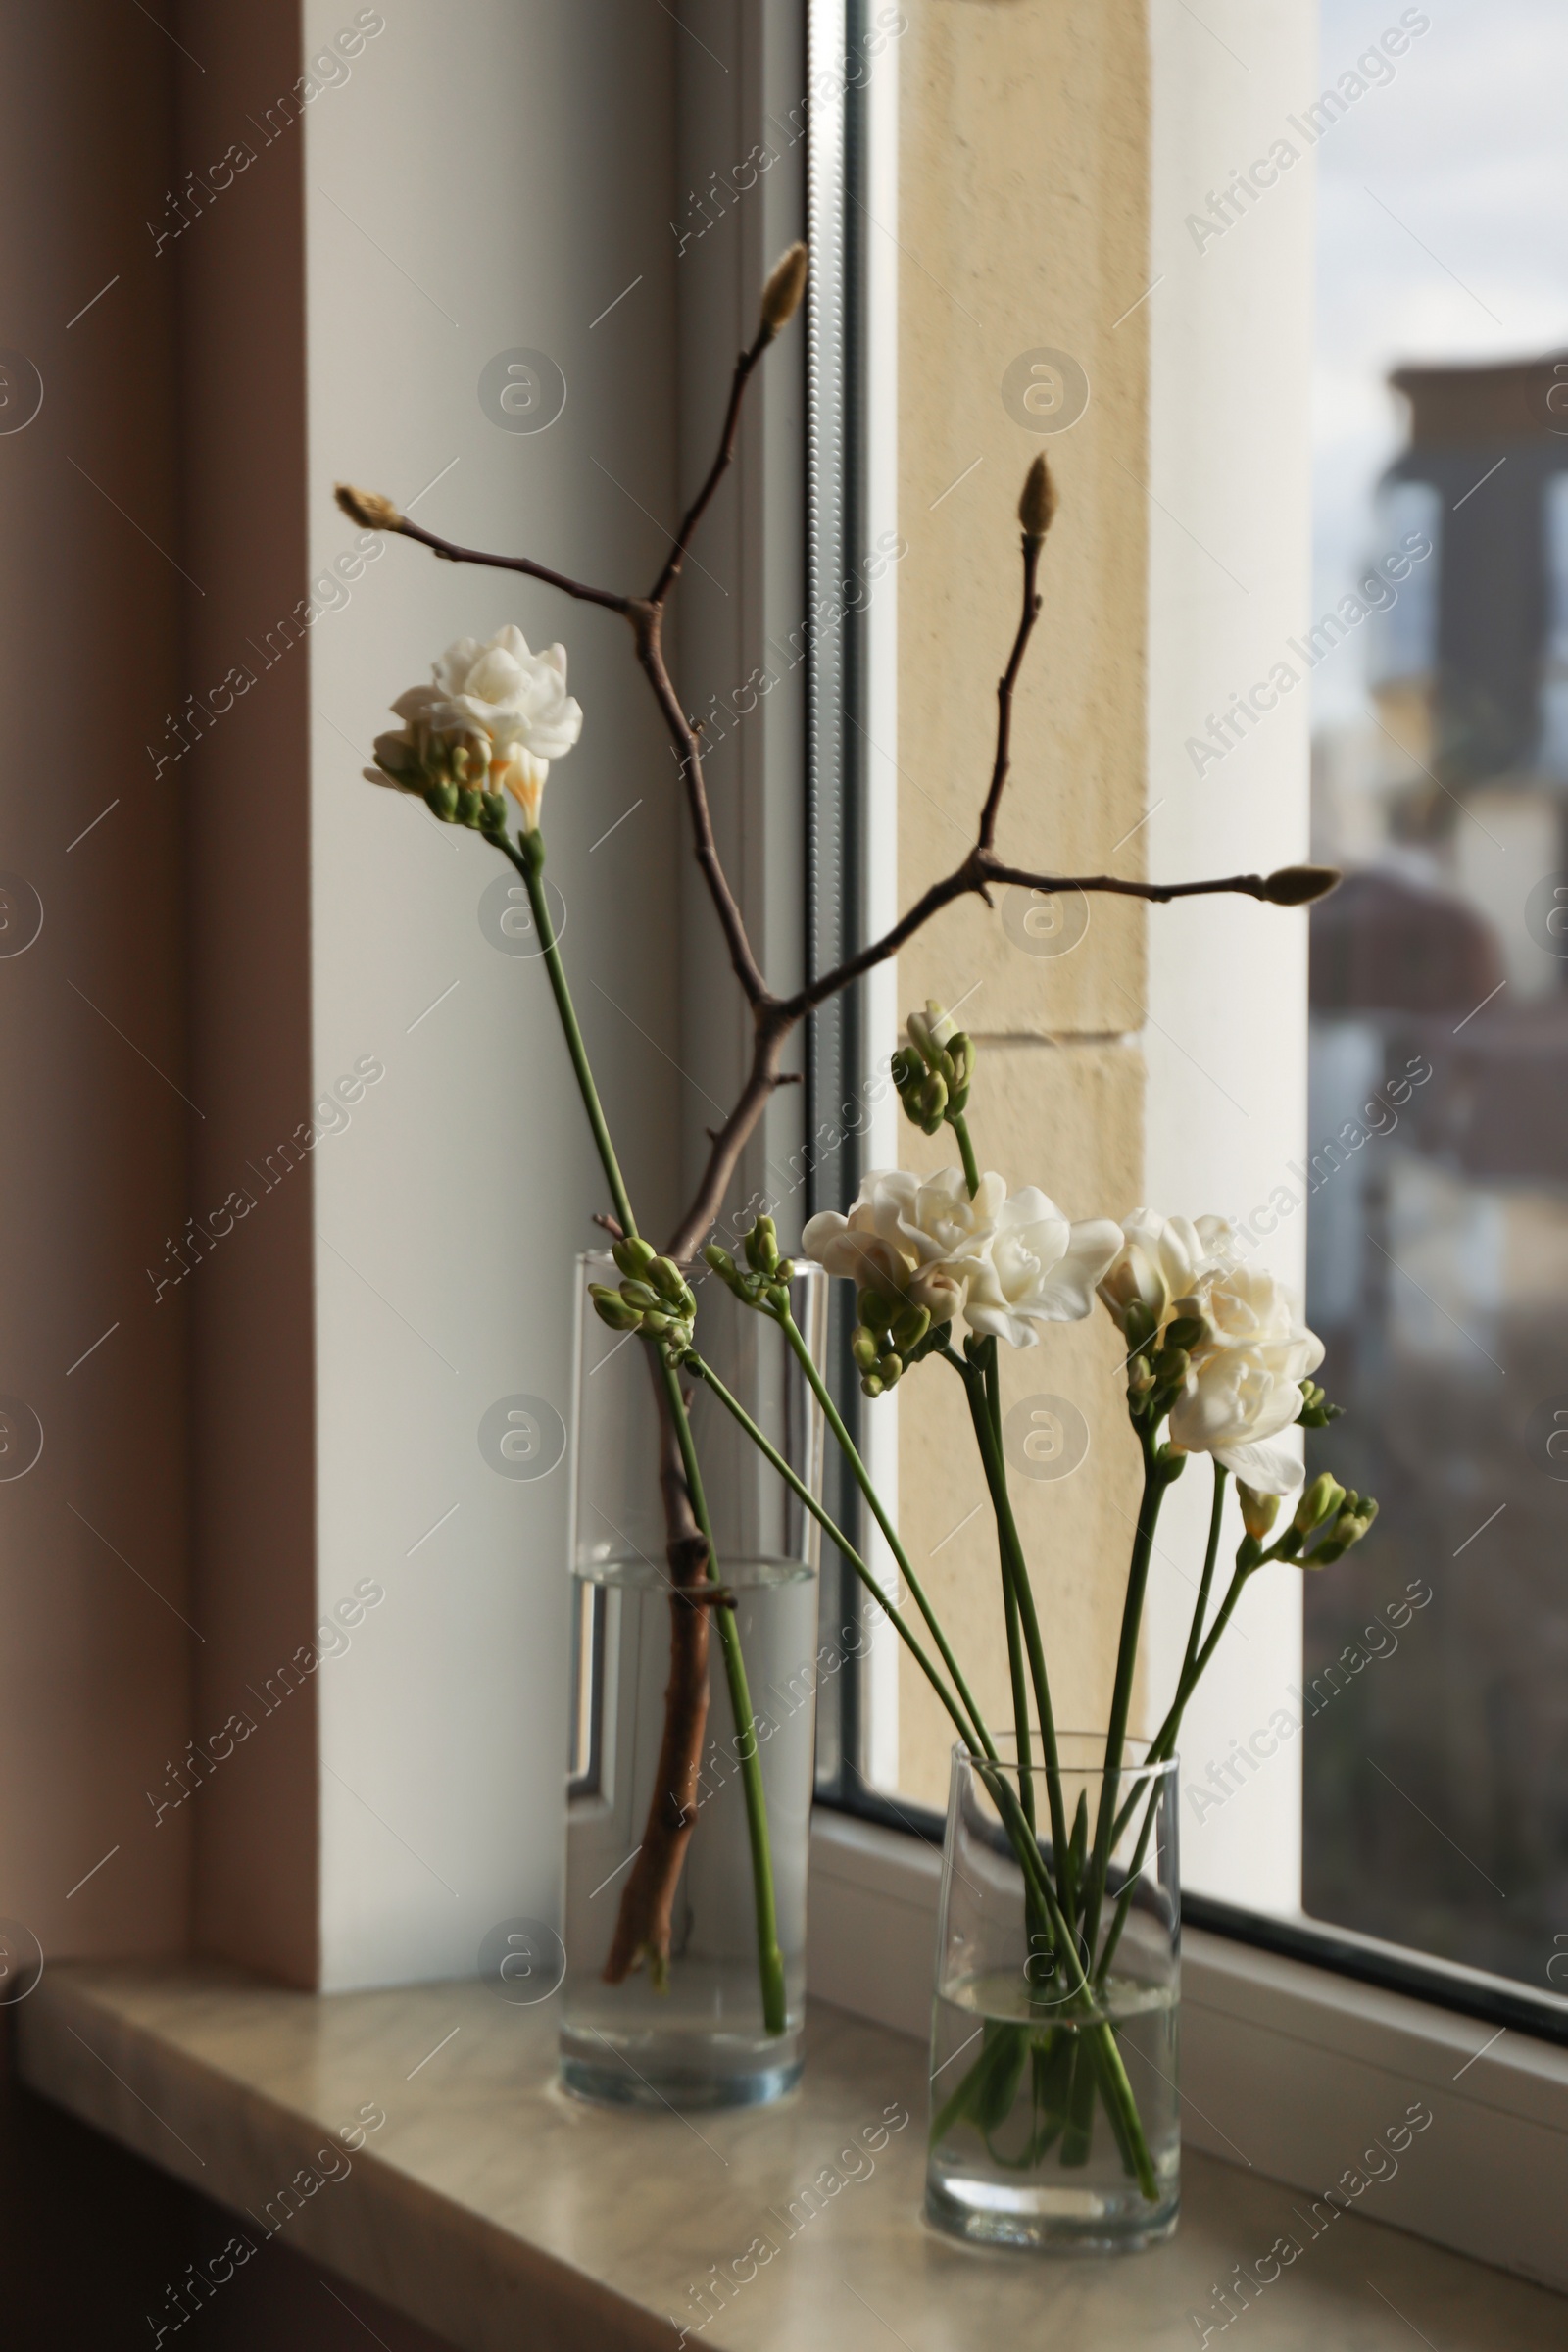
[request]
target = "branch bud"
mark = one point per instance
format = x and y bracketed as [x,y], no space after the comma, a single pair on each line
[367,508]
[1300,885]
[781,296]
[1037,506]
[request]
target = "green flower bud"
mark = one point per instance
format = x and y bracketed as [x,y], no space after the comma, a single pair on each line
[657,1323]
[1258,1511]
[871,1386]
[1316,1411]
[875,1311]
[920,1038]
[1321,1502]
[442,802]
[666,1279]
[890,1367]
[1171,1366]
[1187,1331]
[611,1308]
[933,1101]
[470,806]
[784,1272]
[732,1276]
[1138,1325]
[761,1247]
[493,812]
[865,1347]
[633,1255]
[907,1069]
[1140,1378]
[1353,1525]
[640,1295]
[910,1327]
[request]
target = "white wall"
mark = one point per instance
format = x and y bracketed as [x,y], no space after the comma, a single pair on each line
[1229,578]
[448,1212]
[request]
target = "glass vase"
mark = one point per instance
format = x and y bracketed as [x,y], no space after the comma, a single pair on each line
[693,2035]
[1055,2121]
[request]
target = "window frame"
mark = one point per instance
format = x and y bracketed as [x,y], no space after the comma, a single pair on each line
[873,1858]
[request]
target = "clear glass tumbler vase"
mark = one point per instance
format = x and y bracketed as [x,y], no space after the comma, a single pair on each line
[1054,2122]
[694,2036]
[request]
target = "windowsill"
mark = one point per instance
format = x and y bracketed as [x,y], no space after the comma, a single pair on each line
[495,2209]
[1288,2069]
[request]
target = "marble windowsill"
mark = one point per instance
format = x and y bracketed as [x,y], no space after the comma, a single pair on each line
[496,2210]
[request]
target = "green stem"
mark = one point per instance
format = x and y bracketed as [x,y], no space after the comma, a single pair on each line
[1022,1837]
[971,1166]
[1010,1599]
[1210,1555]
[769,1959]
[530,861]
[1165,1738]
[1015,1580]
[846,1443]
[1156,1479]
[1024,1589]
[973,1732]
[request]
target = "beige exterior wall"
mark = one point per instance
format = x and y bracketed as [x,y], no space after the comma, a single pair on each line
[999,256]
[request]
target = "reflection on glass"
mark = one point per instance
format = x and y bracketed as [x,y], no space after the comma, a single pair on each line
[1437,1783]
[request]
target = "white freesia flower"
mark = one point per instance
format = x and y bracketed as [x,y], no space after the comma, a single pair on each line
[1040,1268]
[507,706]
[1243,1390]
[852,1247]
[1006,1266]
[1162,1260]
[1235,1405]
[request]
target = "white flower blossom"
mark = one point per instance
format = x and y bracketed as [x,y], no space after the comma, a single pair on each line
[1242,1388]
[1039,1268]
[1006,1266]
[1162,1260]
[506,707]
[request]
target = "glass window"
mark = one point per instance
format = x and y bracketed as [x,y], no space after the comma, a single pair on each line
[1427,1804]
[1436,1806]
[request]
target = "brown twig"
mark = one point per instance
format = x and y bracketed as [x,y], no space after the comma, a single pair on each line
[1006,685]
[643,1925]
[643,1922]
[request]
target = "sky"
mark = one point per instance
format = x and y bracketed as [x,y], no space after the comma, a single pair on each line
[1442,234]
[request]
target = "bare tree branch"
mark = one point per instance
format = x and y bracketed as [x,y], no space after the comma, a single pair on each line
[716,472]
[1005,690]
[643,1925]
[647,621]
[524,564]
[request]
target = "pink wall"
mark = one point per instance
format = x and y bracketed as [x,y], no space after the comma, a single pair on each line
[95,1660]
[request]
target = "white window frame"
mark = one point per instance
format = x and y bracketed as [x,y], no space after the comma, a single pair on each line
[1288,2066]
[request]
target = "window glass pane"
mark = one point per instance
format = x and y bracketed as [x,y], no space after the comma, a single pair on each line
[1436,1808]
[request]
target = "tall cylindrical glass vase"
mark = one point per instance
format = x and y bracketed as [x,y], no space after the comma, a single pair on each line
[691,2033]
